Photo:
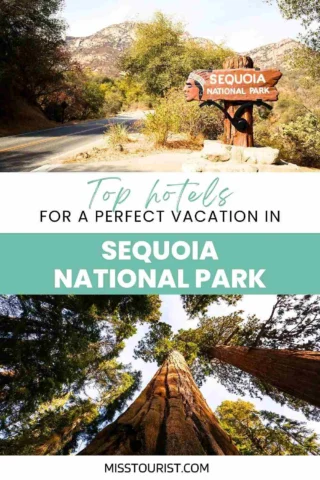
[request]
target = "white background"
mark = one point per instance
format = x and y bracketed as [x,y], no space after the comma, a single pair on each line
[85,468]
[22,197]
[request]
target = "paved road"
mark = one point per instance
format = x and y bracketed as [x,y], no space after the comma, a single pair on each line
[29,151]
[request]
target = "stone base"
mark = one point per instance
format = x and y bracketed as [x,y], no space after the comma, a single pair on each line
[215,151]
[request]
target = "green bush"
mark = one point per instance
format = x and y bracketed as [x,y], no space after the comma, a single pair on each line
[303,137]
[298,140]
[174,115]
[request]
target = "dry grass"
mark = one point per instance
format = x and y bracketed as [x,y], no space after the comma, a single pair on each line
[137,145]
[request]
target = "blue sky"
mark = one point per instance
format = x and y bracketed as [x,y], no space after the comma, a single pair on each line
[214,393]
[243,25]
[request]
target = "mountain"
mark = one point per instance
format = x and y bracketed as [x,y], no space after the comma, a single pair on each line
[273,55]
[101,51]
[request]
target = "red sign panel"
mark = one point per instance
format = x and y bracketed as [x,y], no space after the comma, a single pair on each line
[233,85]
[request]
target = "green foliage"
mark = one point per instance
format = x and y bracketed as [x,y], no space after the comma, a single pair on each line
[58,426]
[35,64]
[174,115]
[80,96]
[164,121]
[60,346]
[32,54]
[306,60]
[293,126]
[265,433]
[197,305]
[156,345]
[193,343]
[155,56]
[298,140]
[133,92]
[161,58]
[297,135]
[93,98]
[113,98]
[303,138]
[309,14]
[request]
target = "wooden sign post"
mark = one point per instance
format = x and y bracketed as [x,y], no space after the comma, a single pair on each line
[240,87]
[232,136]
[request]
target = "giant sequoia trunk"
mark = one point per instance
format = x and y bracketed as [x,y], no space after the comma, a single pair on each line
[294,372]
[170,417]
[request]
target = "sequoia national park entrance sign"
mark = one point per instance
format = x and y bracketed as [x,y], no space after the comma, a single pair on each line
[240,87]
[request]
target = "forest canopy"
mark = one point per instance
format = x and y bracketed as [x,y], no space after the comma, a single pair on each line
[62,379]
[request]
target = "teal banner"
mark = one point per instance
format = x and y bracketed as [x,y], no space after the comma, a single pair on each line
[166,264]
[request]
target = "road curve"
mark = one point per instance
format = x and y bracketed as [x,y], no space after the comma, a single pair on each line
[29,151]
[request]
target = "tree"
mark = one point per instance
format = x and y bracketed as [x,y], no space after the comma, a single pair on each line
[59,426]
[33,56]
[58,346]
[293,372]
[170,417]
[306,58]
[265,433]
[285,366]
[161,57]
[80,96]
[308,13]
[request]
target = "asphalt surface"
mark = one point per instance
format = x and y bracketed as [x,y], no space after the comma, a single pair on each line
[30,151]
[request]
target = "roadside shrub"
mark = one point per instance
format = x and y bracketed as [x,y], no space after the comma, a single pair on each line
[174,115]
[165,120]
[303,137]
[298,140]
[117,134]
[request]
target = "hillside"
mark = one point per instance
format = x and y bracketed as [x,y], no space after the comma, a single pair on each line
[273,55]
[100,52]
[24,118]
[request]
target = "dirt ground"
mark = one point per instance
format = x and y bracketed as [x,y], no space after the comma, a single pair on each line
[140,155]
[137,155]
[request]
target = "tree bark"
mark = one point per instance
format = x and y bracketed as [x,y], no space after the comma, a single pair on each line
[231,135]
[294,372]
[170,417]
